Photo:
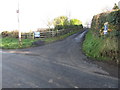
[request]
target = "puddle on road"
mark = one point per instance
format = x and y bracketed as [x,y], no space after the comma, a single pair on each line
[79,37]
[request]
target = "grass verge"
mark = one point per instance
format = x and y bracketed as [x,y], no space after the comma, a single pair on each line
[100,48]
[12,43]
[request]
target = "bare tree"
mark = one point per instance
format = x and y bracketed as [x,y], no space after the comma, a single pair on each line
[48,22]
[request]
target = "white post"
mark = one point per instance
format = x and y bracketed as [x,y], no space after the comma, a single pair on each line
[20,41]
[119,4]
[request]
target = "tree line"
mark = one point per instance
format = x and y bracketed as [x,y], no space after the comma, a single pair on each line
[63,22]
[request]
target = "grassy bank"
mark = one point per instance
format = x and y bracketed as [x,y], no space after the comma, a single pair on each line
[12,43]
[101,47]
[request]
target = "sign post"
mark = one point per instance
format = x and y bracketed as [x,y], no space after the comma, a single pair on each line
[105,28]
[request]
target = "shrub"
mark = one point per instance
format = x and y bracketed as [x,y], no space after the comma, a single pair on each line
[112,18]
[14,34]
[5,33]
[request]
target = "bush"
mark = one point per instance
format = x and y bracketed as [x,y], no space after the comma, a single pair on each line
[14,34]
[58,27]
[5,33]
[112,18]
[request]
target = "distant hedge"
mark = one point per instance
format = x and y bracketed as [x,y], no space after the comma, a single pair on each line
[10,34]
[58,27]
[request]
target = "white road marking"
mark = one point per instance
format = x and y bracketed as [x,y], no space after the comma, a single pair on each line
[76,87]
[50,81]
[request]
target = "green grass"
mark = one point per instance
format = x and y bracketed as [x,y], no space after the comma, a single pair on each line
[93,46]
[13,43]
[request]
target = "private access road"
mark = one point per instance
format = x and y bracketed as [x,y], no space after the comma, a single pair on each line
[56,65]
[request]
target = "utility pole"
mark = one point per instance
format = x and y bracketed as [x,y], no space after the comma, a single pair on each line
[119,4]
[20,41]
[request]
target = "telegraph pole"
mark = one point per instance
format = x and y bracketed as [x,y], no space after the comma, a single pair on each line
[20,41]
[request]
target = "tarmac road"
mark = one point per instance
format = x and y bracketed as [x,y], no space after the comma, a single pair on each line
[57,65]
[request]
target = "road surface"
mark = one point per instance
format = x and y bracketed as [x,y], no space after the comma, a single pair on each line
[57,65]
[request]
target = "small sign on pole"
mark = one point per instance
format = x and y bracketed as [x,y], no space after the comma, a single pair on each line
[105,28]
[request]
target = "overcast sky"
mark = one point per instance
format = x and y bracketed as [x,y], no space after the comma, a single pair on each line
[35,13]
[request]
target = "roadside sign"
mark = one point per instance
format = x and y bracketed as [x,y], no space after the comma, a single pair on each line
[36,34]
[105,28]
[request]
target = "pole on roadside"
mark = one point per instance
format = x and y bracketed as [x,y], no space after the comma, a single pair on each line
[20,41]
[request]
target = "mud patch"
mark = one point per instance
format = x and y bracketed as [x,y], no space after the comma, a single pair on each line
[100,73]
[32,54]
[38,43]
